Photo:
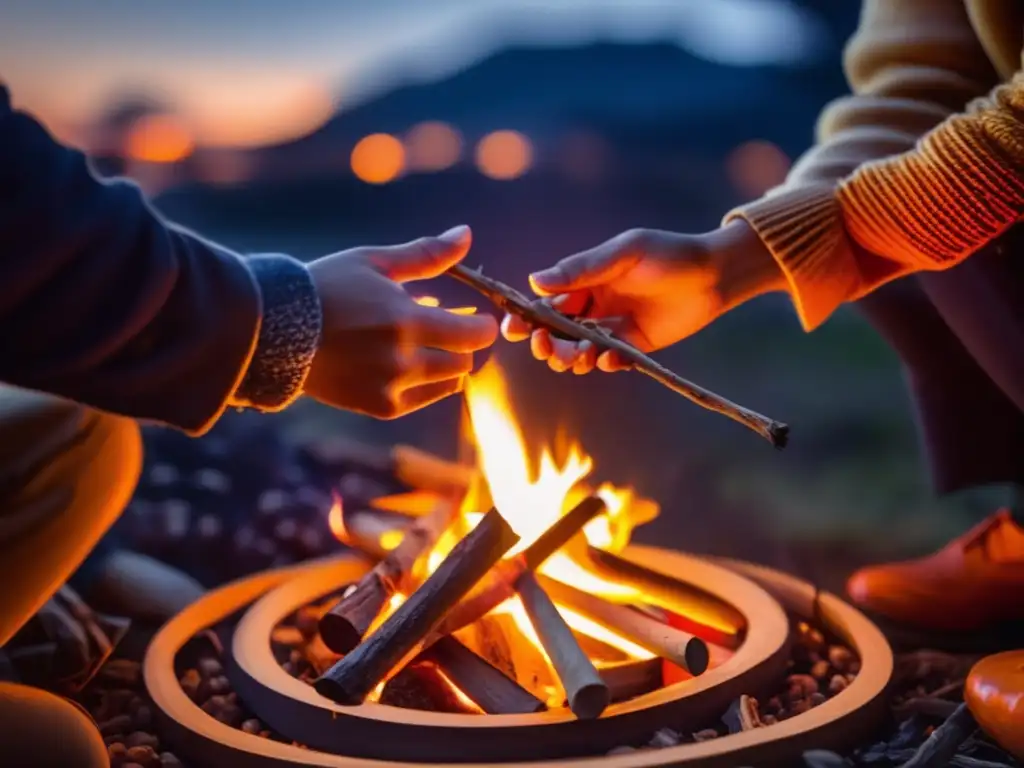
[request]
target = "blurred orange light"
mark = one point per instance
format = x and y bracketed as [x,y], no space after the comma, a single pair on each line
[158,139]
[378,158]
[756,167]
[504,155]
[433,146]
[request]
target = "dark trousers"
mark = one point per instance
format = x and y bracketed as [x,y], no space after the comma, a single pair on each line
[960,334]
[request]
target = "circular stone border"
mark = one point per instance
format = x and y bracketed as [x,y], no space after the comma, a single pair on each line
[836,723]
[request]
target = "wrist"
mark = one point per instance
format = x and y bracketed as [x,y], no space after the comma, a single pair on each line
[290,329]
[745,267]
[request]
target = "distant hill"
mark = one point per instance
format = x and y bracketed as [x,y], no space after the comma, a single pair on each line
[651,93]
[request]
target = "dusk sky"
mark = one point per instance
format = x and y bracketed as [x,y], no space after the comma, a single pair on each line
[251,71]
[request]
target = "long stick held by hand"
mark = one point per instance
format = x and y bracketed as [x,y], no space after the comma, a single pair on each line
[539,314]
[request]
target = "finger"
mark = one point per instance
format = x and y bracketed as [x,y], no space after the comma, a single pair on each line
[586,358]
[540,344]
[514,328]
[423,258]
[563,355]
[588,269]
[435,327]
[427,394]
[431,365]
[571,303]
[612,361]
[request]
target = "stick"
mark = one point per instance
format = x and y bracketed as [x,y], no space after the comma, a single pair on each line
[410,503]
[629,679]
[709,617]
[351,679]
[945,740]
[567,526]
[423,471]
[539,314]
[681,648]
[342,628]
[486,686]
[586,692]
[366,530]
[499,584]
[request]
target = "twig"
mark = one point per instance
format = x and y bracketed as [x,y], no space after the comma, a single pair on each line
[944,741]
[539,314]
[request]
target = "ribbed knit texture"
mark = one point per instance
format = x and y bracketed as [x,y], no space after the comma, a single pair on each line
[915,171]
[289,334]
[962,187]
[799,227]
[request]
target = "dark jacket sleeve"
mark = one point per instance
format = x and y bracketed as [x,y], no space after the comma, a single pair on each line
[105,303]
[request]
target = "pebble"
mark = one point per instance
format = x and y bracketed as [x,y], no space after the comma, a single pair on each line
[141,739]
[706,735]
[820,670]
[212,480]
[801,686]
[117,752]
[842,659]
[169,760]
[820,758]
[252,725]
[623,750]
[837,684]
[119,724]
[665,737]
[143,755]
[190,683]
[208,666]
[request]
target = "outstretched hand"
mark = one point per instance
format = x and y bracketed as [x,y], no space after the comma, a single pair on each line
[381,352]
[649,288]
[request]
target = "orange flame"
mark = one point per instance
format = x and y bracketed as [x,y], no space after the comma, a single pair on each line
[336,520]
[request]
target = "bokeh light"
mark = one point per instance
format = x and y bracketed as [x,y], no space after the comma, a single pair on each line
[504,155]
[158,139]
[756,167]
[378,158]
[432,146]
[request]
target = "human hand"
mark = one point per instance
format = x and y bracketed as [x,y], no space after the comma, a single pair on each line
[649,288]
[382,353]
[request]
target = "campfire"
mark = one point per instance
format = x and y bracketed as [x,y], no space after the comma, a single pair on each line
[495,610]
[513,593]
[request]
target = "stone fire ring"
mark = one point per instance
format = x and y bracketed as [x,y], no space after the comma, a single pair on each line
[375,736]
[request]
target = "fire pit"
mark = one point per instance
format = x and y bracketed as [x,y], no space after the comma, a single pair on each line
[532,632]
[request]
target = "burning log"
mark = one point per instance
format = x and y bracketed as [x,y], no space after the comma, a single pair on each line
[712,619]
[499,584]
[629,679]
[410,504]
[541,315]
[567,526]
[485,686]
[585,691]
[423,471]
[679,647]
[342,628]
[351,679]
[368,531]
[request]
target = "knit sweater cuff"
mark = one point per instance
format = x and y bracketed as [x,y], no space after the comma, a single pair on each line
[290,329]
[802,227]
[933,207]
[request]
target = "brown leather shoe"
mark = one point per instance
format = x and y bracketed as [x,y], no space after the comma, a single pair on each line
[995,695]
[975,581]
